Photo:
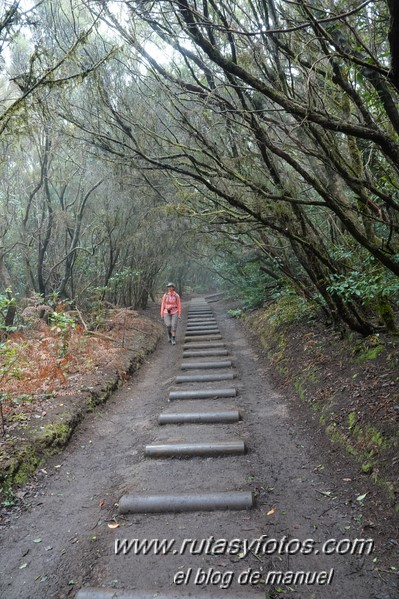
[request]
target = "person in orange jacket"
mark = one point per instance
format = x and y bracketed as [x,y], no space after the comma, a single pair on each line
[171,311]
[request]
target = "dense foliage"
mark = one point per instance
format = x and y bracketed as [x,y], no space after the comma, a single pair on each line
[251,144]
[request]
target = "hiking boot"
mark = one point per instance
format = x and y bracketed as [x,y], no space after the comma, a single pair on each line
[173,340]
[169,339]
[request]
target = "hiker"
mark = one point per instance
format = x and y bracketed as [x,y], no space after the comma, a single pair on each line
[171,311]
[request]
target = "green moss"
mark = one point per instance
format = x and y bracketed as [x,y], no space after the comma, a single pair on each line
[22,466]
[27,468]
[368,459]
[277,355]
[289,308]
[21,417]
[299,388]
[338,437]
[313,376]
[238,313]
[371,353]
[97,398]
[352,418]
[386,313]
[367,468]
[54,435]
[370,438]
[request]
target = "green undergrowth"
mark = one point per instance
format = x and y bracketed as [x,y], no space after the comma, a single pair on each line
[40,445]
[327,376]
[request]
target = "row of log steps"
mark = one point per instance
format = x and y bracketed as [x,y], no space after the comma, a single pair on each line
[202,339]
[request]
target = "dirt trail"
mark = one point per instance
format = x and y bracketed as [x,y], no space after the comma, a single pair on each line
[63,542]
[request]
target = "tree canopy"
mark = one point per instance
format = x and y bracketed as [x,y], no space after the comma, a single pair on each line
[251,144]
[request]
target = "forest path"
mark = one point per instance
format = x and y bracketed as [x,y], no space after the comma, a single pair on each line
[63,543]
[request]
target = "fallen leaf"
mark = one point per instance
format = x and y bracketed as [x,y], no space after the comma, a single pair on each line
[101,504]
[361,497]
[271,511]
[326,493]
[23,566]
[37,540]
[113,525]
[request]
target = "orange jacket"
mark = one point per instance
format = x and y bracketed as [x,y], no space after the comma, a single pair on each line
[171,301]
